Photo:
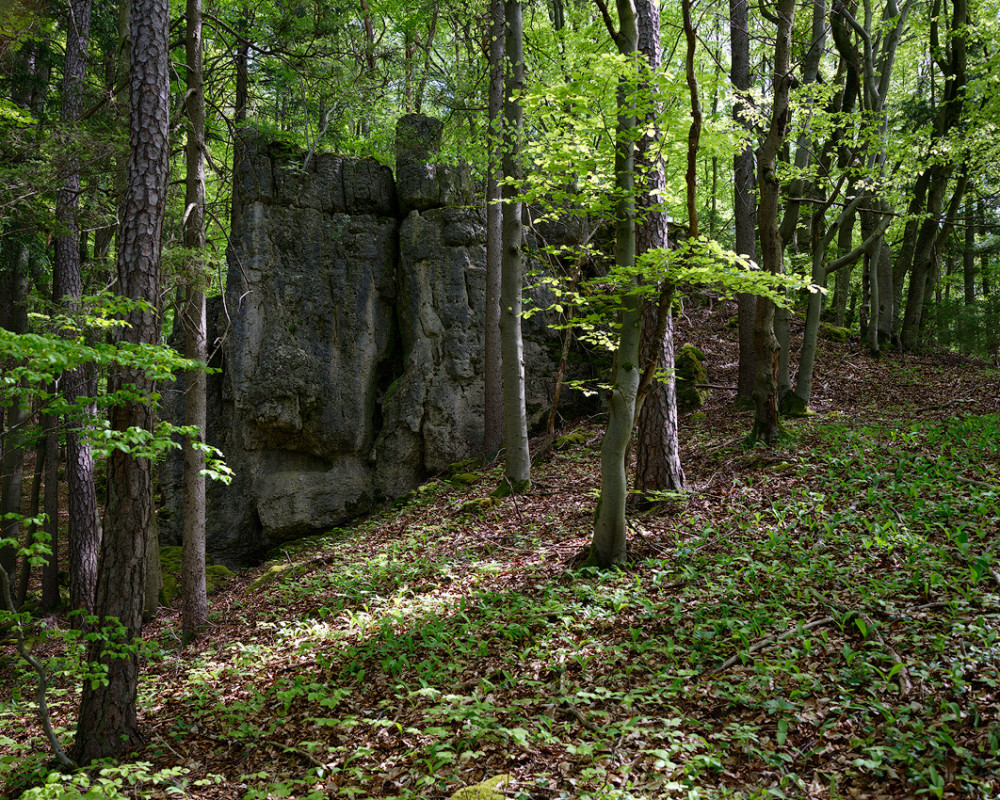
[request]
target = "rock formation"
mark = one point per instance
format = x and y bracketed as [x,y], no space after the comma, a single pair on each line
[351,340]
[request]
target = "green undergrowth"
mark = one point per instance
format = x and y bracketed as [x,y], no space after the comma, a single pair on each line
[827,626]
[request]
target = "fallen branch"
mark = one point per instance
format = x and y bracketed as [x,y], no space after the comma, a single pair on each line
[292,749]
[974,482]
[771,641]
[576,712]
[905,684]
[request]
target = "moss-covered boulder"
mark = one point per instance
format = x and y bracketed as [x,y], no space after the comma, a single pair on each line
[570,440]
[479,505]
[486,790]
[276,573]
[834,333]
[464,478]
[690,370]
[217,576]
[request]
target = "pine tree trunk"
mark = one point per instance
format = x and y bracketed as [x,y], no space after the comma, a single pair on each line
[107,716]
[16,416]
[658,462]
[84,526]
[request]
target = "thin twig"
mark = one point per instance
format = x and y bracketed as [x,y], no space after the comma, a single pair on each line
[513,497]
[43,682]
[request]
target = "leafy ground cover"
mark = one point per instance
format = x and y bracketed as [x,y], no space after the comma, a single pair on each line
[819,620]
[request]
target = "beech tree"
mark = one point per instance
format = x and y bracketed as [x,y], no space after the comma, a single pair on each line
[195,332]
[609,545]
[493,416]
[766,351]
[517,457]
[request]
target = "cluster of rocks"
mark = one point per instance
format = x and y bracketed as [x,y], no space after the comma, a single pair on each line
[351,340]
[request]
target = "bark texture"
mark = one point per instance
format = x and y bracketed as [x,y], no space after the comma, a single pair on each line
[765,393]
[744,205]
[658,462]
[84,527]
[108,724]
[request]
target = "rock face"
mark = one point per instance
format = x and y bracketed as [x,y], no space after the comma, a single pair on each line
[351,341]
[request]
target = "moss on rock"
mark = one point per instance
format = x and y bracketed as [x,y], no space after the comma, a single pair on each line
[690,370]
[478,505]
[217,576]
[834,333]
[171,564]
[570,440]
[486,790]
[464,478]
[274,573]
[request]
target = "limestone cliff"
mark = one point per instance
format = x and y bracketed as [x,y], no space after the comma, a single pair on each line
[351,340]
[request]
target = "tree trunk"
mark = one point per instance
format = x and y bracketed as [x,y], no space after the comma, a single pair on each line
[766,424]
[84,526]
[242,104]
[609,544]
[969,255]
[952,62]
[744,205]
[518,459]
[16,416]
[107,717]
[50,573]
[493,426]
[193,590]
[658,461]
[33,503]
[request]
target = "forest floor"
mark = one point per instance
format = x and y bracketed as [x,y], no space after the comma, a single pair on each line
[816,620]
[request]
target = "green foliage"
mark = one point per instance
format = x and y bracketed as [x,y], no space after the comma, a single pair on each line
[111,782]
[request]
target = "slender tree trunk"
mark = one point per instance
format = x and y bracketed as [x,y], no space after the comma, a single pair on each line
[518,459]
[969,254]
[16,416]
[953,67]
[107,717]
[744,204]
[493,426]
[766,424]
[193,590]
[84,526]
[50,573]
[240,109]
[984,256]
[610,545]
[658,460]
[33,508]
